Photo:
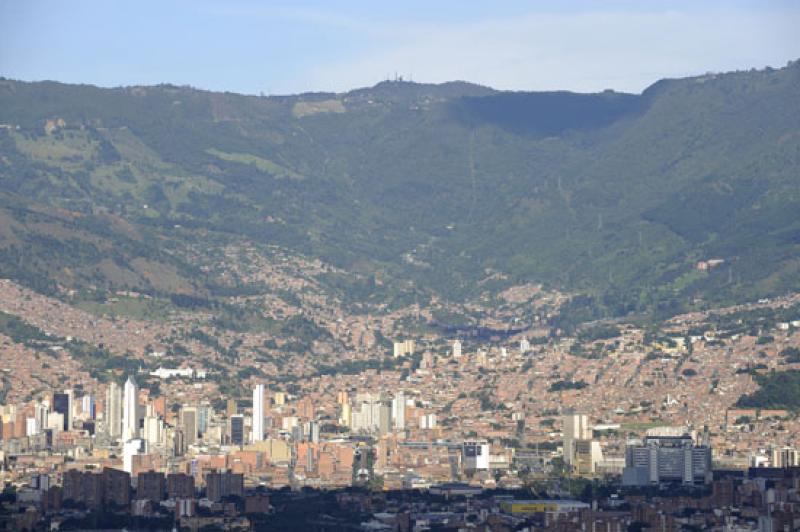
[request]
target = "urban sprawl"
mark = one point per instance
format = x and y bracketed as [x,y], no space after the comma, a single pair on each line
[605,428]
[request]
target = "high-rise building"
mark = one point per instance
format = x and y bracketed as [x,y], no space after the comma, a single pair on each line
[475,455]
[342,397]
[399,411]
[151,486]
[427,421]
[130,410]
[130,449]
[576,427]
[280,398]
[298,433]
[113,410]
[41,412]
[313,431]
[346,417]
[237,429]
[457,349]
[189,423]
[180,486]
[232,407]
[117,486]
[203,412]
[97,489]
[306,409]
[88,407]
[153,430]
[666,459]
[224,484]
[374,416]
[406,347]
[784,457]
[586,455]
[62,404]
[178,442]
[524,346]
[258,413]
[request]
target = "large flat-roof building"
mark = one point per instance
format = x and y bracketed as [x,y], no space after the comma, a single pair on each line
[666,459]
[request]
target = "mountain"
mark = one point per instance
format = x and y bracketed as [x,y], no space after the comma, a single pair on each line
[452,190]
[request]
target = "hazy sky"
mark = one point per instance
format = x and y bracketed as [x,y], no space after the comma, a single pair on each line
[280,47]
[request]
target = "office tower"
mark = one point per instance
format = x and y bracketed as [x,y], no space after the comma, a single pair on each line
[41,413]
[88,407]
[576,427]
[113,411]
[202,419]
[298,433]
[666,459]
[289,422]
[189,424]
[586,455]
[524,346]
[55,422]
[399,411]
[237,429]
[427,421]
[153,430]
[346,417]
[62,404]
[784,457]
[258,413]
[313,432]
[232,407]
[457,349]
[374,417]
[475,455]
[342,398]
[70,408]
[130,410]
[178,442]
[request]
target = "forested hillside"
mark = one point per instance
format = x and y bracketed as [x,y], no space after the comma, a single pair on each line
[456,188]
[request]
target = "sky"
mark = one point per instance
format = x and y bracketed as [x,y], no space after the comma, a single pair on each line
[285,47]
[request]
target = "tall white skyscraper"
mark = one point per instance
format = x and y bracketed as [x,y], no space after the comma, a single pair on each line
[258,413]
[130,410]
[457,349]
[576,427]
[113,413]
[524,346]
[41,411]
[399,411]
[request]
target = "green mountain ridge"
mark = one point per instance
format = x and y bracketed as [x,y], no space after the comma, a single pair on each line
[613,195]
